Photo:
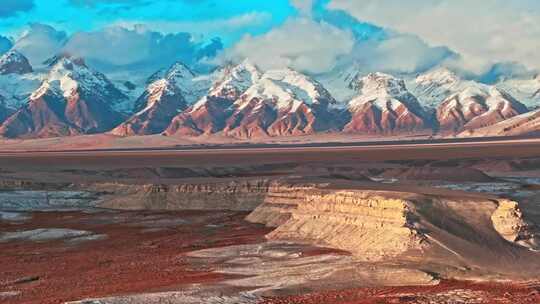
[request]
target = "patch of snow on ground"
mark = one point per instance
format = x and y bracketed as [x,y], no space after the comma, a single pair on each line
[184,297]
[13,216]
[505,188]
[9,294]
[46,234]
[47,200]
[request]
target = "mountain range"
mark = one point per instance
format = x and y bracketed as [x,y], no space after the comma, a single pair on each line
[67,97]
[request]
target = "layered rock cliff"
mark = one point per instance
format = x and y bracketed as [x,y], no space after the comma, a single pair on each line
[452,234]
[371,225]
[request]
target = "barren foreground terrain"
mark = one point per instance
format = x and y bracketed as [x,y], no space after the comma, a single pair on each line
[391,223]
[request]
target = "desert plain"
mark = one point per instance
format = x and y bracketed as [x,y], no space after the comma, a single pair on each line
[402,222]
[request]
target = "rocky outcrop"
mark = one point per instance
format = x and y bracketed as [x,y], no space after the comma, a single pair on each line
[371,226]
[280,203]
[448,233]
[509,222]
[238,196]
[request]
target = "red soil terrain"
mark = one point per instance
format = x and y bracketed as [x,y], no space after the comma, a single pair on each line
[135,257]
[145,252]
[447,292]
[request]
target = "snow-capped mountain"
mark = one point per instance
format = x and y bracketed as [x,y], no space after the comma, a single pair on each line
[14,62]
[477,106]
[72,99]
[210,113]
[233,81]
[242,101]
[524,124]
[17,81]
[526,91]
[282,102]
[163,99]
[340,81]
[279,102]
[192,86]
[206,117]
[17,88]
[435,86]
[384,105]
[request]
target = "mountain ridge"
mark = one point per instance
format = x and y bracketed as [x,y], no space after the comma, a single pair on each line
[243,101]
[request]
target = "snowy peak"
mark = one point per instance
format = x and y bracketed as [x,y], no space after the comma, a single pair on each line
[477,105]
[383,91]
[526,90]
[287,88]
[64,59]
[384,105]
[155,110]
[72,99]
[380,84]
[179,72]
[481,93]
[434,86]
[156,91]
[438,77]
[168,93]
[276,103]
[14,62]
[235,80]
[70,76]
[182,79]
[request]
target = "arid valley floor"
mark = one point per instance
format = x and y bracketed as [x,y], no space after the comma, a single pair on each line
[392,223]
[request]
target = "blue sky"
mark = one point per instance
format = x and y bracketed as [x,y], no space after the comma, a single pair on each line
[87,15]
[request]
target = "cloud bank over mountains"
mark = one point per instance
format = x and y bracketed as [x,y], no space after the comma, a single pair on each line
[300,43]
[113,47]
[319,39]
[483,31]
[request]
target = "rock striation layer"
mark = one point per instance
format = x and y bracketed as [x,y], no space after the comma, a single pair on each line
[372,226]
[449,233]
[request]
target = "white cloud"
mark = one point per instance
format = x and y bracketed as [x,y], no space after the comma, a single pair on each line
[300,44]
[118,46]
[215,26]
[399,53]
[483,31]
[303,6]
[40,42]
